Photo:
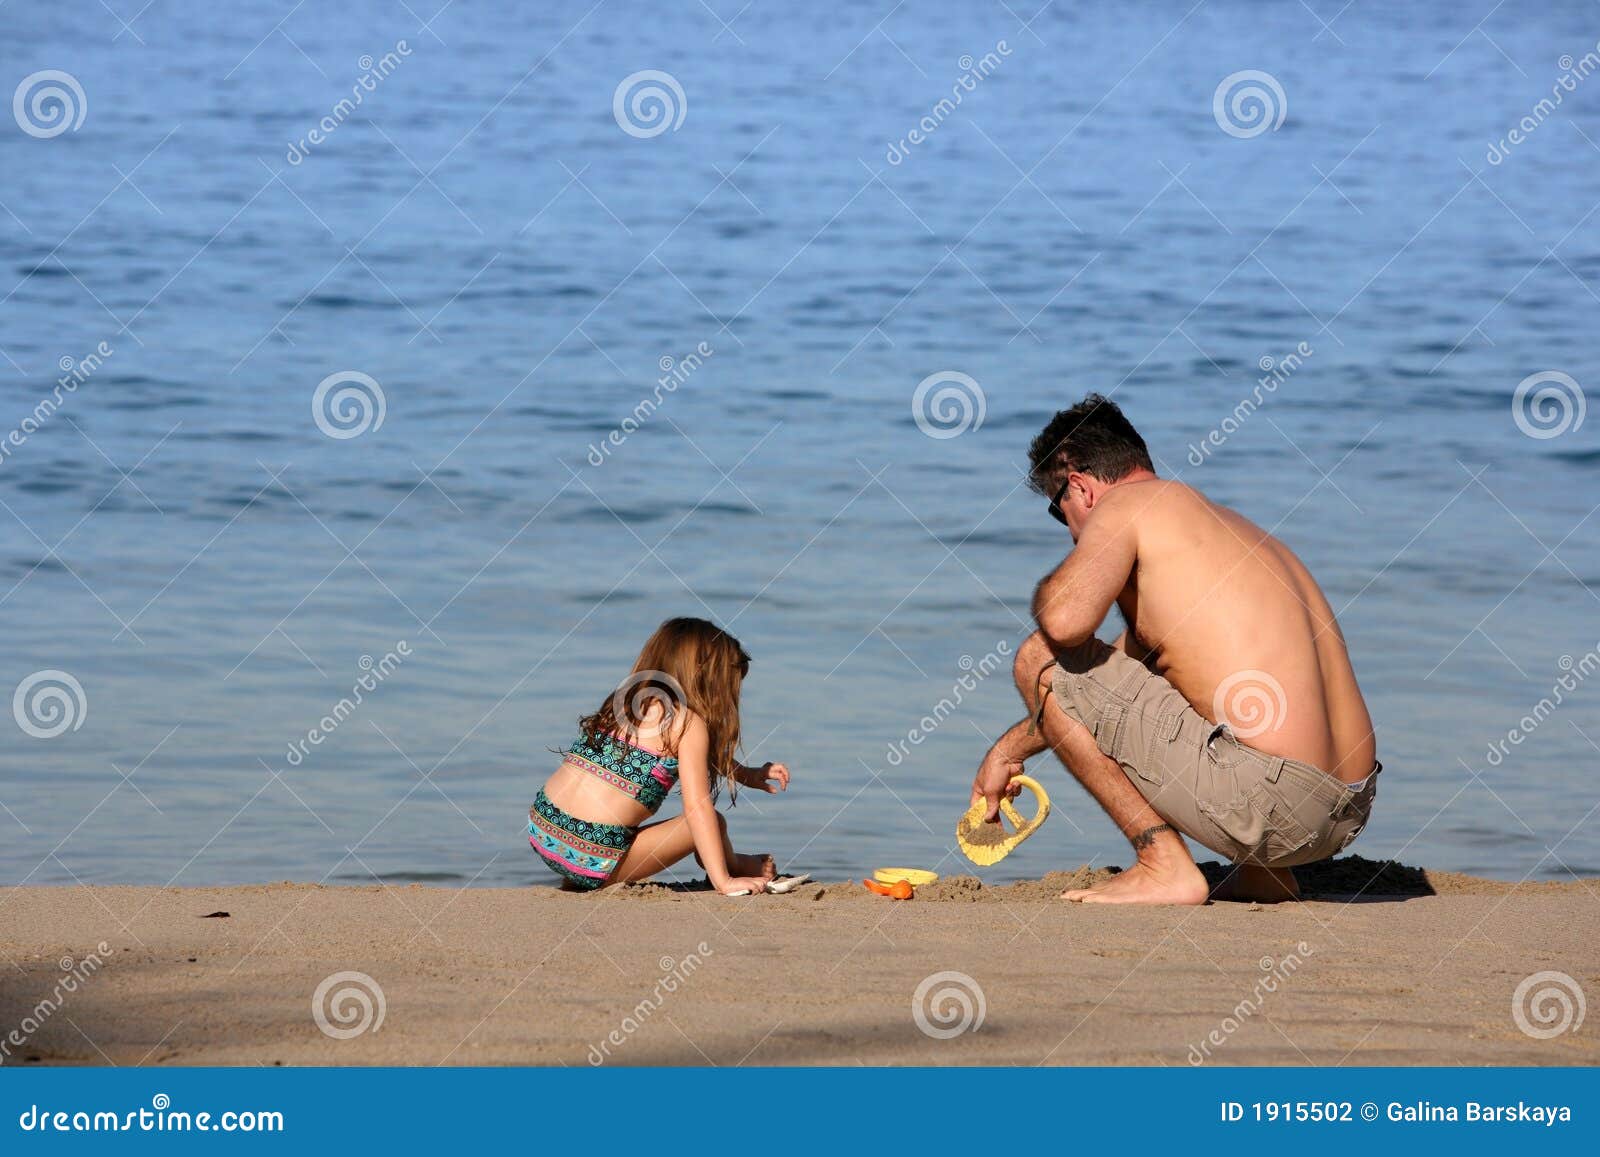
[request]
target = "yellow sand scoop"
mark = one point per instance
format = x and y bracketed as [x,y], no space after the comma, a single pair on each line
[916,877]
[985,843]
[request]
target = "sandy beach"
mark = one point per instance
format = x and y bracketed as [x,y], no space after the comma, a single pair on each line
[1420,969]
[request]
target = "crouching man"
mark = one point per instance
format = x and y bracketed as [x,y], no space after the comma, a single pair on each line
[1227,711]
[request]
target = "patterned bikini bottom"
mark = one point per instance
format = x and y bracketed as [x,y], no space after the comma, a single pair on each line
[582,853]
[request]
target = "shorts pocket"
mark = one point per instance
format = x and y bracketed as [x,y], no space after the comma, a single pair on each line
[1148,747]
[1109,727]
[1099,711]
[1159,749]
[1080,698]
[1352,819]
[1349,836]
[1259,828]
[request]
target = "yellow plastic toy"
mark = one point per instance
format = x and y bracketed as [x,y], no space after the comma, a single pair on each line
[985,844]
[916,877]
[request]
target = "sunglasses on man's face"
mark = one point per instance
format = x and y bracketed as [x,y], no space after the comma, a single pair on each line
[1055,503]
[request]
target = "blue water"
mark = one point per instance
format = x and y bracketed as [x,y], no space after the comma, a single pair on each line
[484,241]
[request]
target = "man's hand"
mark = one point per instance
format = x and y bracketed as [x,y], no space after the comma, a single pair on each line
[994,781]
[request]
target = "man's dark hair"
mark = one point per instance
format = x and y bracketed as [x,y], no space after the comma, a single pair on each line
[1092,437]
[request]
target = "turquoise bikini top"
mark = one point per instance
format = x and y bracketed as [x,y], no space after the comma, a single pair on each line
[636,771]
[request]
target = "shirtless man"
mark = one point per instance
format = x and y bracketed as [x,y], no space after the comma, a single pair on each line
[1227,711]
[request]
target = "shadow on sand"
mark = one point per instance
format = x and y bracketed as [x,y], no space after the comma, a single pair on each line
[1348,878]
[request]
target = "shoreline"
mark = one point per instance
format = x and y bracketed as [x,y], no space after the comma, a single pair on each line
[1420,969]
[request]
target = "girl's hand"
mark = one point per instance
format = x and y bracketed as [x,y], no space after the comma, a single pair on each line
[769,777]
[752,884]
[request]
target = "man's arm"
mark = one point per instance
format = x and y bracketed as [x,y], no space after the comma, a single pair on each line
[1071,602]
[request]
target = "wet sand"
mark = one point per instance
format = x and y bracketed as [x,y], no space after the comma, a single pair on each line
[1420,968]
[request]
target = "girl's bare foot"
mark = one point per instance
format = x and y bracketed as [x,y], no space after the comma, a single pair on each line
[1255,884]
[758,864]
[1164,874]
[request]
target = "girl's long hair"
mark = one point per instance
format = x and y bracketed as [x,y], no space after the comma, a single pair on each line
[686,663]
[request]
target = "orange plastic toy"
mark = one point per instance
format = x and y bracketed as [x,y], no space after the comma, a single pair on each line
[899,890]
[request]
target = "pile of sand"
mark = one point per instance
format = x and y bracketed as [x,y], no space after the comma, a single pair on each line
[970,889]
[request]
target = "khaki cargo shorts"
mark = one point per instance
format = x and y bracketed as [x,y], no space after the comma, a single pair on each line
[1239,802]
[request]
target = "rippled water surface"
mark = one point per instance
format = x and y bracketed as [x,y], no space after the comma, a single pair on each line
[483,240]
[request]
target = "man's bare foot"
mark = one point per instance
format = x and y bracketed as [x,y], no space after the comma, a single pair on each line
[1254,884]
[759,864]
[1146,884]
[1164,874]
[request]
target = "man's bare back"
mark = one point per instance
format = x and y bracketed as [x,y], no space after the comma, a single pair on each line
[1233,620]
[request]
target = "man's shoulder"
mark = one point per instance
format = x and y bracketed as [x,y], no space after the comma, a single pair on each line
[1155,512]
[1148,496]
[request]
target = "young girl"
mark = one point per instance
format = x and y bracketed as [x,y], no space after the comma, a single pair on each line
[675,719]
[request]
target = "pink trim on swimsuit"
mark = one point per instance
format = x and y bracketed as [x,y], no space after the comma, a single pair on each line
[566,865]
